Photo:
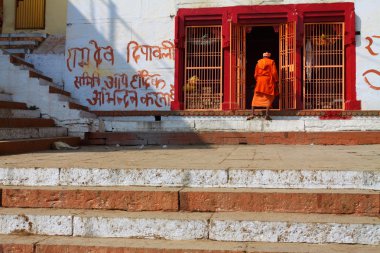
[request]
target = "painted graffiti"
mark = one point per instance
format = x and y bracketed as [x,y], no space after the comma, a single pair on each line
[142,88]
[134,49]
[372,52]
[130,98]
[84,56]
[145,80]
[87,80]
[370,43]
[93,76]
[373,71]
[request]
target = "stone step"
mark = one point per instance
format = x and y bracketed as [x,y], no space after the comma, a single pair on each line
[35,36]
[76,106]
[112,198]
[5,96]
[236,226]
[18,43]
[26,122]
[194,199]
[33,145]
[12,105]
[15,113]
[53,244]
[20,61]
[61,175]
[239,124]
[55,90]
[231,137]
[32,132]
[16,51]
[35,74]
[278,200]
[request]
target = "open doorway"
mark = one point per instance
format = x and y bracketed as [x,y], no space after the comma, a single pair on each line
[258,40]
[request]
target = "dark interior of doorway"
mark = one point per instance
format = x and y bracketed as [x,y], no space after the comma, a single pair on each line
[259,40]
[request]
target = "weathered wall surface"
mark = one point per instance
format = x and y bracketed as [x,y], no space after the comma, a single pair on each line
[55,17]
[49,58]
[368,54]
[120,54]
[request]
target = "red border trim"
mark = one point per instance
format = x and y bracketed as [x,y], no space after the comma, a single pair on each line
[269,14]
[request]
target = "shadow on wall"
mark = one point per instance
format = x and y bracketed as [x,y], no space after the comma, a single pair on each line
[116,62]
[119,62]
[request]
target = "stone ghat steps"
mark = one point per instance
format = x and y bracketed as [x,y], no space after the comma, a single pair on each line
[23,130]
[52,244]
[230,226]
[18,146]
[17,133]
[53,89]
[25,122]
[137,199]
[21,42]
[38,90]
[315,178]
[13,105]
[18,113]
[232,137]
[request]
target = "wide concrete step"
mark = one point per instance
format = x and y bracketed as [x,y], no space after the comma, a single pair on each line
[25,122]
[53,244]
[21,36]
[55,175]
[33,145]
[229,136]
[194,199]
[18,61]
[32,132]
[236,226]
[12,105]
[112,198]
[17,113]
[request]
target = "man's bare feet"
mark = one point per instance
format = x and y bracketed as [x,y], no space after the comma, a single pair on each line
[251,117]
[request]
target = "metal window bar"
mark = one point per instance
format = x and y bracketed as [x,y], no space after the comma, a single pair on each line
[238,65]
[287,66]
[203,88]
[323,71]
[30,14]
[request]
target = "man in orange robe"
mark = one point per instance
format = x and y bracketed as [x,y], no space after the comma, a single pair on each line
[266,85]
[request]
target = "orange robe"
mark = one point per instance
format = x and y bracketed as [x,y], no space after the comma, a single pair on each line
[266,78]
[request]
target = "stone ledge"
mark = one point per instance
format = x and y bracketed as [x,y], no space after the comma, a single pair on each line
[194,199]
[237,226]
[234,138]
[122,245]
[187,177]
[324,114]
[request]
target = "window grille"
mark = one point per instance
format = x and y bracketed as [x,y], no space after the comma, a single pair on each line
[30,14]
[238,65]
[203,68]
[323,70]
[287,66]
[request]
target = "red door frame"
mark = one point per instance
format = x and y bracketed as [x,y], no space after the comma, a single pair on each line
[268,14]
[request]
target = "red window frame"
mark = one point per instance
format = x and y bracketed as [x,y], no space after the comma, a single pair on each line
[268,14]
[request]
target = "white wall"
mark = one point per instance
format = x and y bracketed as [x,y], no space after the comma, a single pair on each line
[145,81]
[51,65]
[145,25]
[368,58]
